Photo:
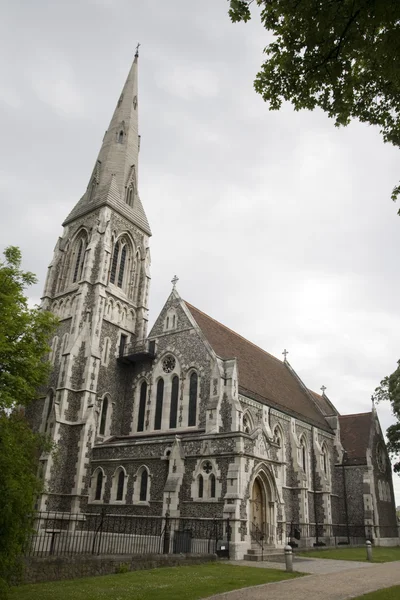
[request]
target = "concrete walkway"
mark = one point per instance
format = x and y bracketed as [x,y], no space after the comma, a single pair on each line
[314,566]
[337,585]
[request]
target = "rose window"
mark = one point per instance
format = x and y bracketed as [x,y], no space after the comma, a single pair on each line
[168,364]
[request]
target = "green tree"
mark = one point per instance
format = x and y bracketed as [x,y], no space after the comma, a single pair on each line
[24,335]
[339,55]
[389,390]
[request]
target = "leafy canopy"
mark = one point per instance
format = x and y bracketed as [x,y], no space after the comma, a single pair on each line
[24,335]
[339,55]
[389,390]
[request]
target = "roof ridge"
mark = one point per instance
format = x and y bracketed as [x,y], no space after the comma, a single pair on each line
[356,414]
[235,333]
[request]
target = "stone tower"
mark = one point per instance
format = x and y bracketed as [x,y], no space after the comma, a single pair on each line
[98,285]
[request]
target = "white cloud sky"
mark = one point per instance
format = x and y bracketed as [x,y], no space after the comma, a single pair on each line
[277,223]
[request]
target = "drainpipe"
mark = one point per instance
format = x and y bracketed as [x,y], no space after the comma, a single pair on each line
[315,488]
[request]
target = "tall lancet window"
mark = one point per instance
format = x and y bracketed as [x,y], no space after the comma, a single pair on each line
[174,402]
[80,249]
[159,404]
[142,406]
[192,399]
[118,263]
[129,196]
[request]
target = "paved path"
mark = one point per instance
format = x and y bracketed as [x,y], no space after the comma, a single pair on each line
[314,566]
[327,586]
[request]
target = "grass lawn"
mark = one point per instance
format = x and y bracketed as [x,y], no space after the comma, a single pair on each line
[172,583]
[392,593]
[379,554]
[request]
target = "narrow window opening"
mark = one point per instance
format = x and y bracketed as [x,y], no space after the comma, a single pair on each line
[159,404]
[114,263]
[174,402]
[143,486]
[192,399]
[200,486]
[122,267]
[78,263]
[122,344]
[121,137]
[99,485]
[103,418]
[49,409]
[120,488]
[212,486]
[173,322]
[142,406]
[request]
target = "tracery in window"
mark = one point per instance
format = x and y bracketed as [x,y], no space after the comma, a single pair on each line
[79,255]
[119,261]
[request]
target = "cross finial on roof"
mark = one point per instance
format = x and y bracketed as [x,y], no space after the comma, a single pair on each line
[285,353]
[174,281]
[373,401]
[323,388]
[137,50]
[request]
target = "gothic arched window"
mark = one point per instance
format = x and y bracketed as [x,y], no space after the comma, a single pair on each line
[303,455]
[99,485]
[200,486]
[142,406]
[50,402]
[129,196]
[144,485]
[174,402]
[120,485]
[159,404]
[192,400]
[120,137]
[79,254]
[118,263]
[212,485]
[103,417]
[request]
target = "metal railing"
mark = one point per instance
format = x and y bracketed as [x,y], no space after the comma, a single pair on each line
[337,534]
[138,347]
[65,534]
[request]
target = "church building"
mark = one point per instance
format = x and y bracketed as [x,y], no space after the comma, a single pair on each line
[189,419]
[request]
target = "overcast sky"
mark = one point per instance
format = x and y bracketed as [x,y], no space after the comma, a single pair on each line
[277,223]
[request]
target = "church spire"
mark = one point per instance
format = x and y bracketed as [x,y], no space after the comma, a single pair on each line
[114,178]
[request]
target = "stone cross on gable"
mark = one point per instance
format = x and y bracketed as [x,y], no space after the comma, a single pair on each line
[174,281]
[285,353]
[323,388]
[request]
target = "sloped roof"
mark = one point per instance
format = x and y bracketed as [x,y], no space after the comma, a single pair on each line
[324,404]
[354,435]
[261,375]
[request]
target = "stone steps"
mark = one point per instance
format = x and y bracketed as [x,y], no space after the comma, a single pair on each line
[269,554]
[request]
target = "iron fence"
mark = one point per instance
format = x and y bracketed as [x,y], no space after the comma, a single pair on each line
[337,534]
[65,534]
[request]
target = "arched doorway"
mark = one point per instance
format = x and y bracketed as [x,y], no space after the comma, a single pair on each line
[262,511]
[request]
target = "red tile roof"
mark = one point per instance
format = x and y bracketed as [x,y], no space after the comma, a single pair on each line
[261,376]
[354,435]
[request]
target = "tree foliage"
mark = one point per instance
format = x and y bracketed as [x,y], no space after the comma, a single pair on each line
[339,55]
[389,390]
[24,335]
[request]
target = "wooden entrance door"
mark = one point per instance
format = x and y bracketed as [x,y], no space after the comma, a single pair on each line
[257,507]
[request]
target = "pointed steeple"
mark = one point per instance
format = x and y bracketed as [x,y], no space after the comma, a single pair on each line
[114,180]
